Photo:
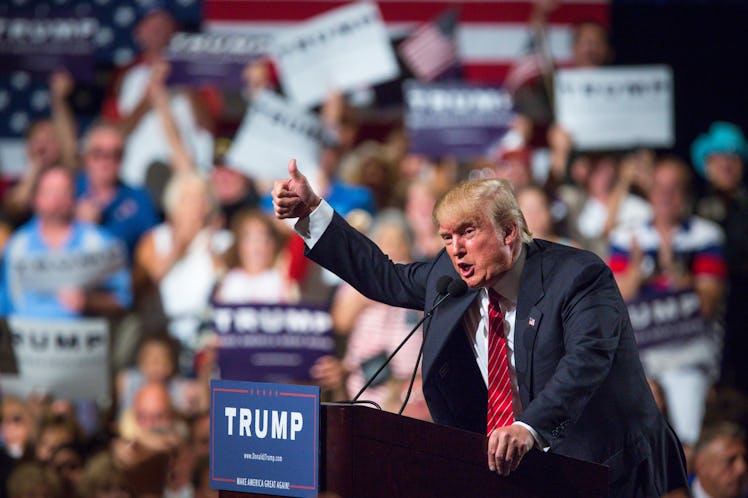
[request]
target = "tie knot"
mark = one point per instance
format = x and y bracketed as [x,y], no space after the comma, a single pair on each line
[493,301]
[493,296]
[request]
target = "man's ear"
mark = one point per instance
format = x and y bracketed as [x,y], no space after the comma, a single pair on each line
[510,233]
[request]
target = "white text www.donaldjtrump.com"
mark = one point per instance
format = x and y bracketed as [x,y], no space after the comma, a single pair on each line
[263,456]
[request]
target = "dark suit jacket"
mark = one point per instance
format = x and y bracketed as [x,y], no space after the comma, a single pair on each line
[581,383]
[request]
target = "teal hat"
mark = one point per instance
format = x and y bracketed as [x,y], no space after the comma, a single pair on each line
[723,138]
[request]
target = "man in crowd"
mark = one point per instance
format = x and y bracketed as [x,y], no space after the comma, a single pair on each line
[48,142]
[719,156]
[126,212]
[720,463]
[675,252]
[44,261]
[538,353]
[152,421]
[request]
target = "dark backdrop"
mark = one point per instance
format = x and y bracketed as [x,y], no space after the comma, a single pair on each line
[706,44]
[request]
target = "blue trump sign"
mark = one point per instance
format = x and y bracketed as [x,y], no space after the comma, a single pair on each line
[264,438]
[456,119]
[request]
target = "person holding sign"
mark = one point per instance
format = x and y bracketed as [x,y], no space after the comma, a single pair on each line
[675,252]
[542,333]
[58,267]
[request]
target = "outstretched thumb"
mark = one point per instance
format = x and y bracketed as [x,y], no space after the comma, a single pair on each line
[293,170]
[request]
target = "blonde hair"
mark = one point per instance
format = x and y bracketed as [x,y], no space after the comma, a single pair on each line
[177,184]
[493,197]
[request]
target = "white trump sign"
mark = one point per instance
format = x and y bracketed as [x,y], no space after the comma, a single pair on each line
[51,271]
[344,49]
[66,358]
[616,107]
[273,131]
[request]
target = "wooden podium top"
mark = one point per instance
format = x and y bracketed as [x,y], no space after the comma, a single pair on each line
[371,453]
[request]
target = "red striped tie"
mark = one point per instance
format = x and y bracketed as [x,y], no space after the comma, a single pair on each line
[500,411]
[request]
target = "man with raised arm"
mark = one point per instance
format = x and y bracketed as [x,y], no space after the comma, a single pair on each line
[538,353]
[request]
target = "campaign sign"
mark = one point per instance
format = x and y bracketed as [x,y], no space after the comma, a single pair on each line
[669,318]
[42,45]
[344,49]
[456,119]
[65,358]
[272,343]
[616,107]
[212,58]
[264,438]
[273,131]
[53,271]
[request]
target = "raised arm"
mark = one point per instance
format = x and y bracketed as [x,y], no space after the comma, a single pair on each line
[63,119]
[158,96]
[342,249]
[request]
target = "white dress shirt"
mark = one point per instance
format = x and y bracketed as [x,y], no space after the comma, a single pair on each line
[476,326]
[697,491]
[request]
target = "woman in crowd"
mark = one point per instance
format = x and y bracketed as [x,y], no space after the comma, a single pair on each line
[180,258]
[595,204]
[256,269]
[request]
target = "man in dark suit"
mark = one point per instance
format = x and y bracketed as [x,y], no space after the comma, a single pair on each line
[577,386]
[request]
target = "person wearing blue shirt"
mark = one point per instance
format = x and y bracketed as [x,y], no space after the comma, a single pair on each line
[125,212]
[57,267]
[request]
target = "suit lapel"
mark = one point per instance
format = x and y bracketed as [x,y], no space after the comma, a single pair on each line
[444,320]
[527,320]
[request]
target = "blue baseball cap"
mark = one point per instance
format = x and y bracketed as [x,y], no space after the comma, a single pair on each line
[722,137]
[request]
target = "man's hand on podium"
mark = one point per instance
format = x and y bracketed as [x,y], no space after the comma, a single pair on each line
[506,447]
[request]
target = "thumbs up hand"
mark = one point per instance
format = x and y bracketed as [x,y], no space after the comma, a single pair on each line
[294,197]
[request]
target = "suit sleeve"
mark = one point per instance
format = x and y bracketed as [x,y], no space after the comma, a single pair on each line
[592,323]
[357,260]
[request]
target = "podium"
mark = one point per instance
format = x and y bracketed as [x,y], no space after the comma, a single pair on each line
[370,453]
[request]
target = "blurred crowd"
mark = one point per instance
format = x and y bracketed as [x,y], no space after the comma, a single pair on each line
[151,177]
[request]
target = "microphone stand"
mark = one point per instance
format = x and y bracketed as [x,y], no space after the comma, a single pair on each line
[402,343]
[455,288]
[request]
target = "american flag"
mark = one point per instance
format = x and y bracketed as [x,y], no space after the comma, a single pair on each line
[534,64]
[24,97]
[431,50]
[491,35]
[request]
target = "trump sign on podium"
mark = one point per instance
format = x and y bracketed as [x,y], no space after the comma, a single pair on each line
[264,438]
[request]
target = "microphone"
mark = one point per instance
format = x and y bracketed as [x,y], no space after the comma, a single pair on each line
[457,288]
[446,286]
[442,285]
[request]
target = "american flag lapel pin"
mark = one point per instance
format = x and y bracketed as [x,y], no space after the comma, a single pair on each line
[531,321]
